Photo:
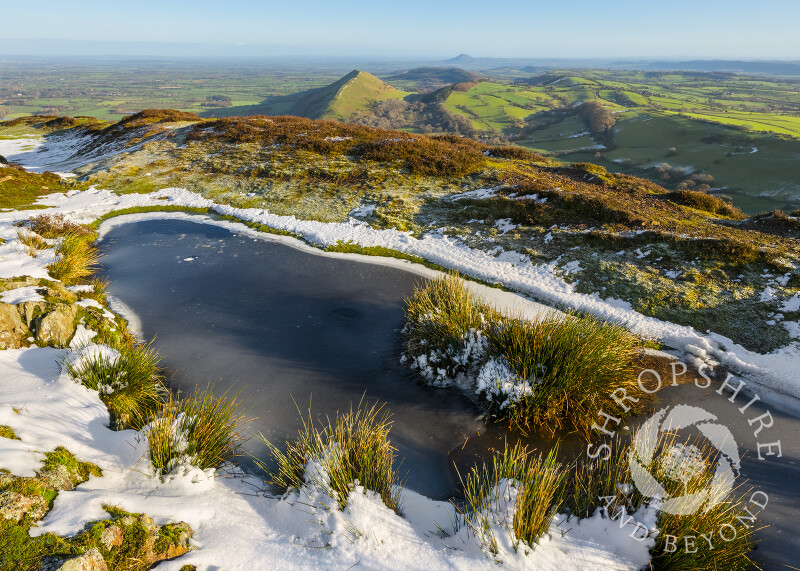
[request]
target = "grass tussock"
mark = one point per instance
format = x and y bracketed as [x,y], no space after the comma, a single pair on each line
[518,492]
[129,381]
[725,519]
[443,325]
[573,365]
[544,375]
[75,259]
[202,430]
[351,450]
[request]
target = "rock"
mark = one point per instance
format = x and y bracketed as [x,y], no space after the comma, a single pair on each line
[59,478]
[57,327]
[14,506]
[14,283]
[28,310]
[92,560]
[112,537]
[12,330]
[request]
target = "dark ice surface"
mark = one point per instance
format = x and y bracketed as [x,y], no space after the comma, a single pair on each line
[283,325]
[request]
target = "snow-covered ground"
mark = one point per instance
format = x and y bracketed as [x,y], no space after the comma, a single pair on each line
[238,527]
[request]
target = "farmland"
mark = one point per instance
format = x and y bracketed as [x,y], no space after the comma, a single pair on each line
[737,135]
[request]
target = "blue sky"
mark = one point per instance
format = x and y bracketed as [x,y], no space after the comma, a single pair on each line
[530,28]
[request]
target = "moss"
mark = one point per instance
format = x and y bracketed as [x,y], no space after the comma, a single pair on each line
[21,552]
[8,432]
[350,248]
[63,457]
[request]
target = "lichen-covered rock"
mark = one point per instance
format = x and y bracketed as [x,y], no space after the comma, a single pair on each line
[92,560]
[29,310]
[59,478]
[15,506]
[12,330]
[57,327]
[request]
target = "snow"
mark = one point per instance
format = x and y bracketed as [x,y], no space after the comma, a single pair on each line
[505,225]
[235,523]
[791,304]
[241,528]
[476,194]
[542,282]
[21,295]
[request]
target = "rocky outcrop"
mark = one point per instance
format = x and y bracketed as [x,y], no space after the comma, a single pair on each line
[56,327]
[13,331]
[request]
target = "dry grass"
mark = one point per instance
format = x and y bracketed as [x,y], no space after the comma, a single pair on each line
[352,449]
[574,366]
[538,482]
[203,430]
[75,259]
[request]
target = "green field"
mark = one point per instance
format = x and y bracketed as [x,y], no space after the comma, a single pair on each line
[707,124]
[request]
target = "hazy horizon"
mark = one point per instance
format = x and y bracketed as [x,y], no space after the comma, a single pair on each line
[530,29]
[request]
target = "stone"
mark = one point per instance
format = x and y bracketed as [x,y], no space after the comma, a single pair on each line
[57,327]
[12,330]
[59,478]
[15,506]
[92,560]
[112,537]
[28,310]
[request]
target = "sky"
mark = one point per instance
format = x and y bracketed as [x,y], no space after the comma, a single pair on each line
[409,28]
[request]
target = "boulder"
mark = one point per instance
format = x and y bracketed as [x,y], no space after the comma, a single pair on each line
[12,330]
[92,560]
[57,327]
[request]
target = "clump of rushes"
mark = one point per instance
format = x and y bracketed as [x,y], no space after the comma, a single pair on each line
[75,258]
[128,380]
[605,476]
[352,449]
[443,331]
[518,492]
[684,469]
[546,375]
[202,430]
[687,468]
[571,367]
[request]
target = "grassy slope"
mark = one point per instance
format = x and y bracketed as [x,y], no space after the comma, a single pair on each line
[322,170]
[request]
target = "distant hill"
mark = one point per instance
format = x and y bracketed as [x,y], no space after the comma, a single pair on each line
[341,100]
[346,99]
[461,58]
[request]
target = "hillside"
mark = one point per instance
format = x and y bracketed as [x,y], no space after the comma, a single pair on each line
[350,96]
[682,256]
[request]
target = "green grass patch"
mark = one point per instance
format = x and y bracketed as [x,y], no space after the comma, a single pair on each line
[77,469]
[8,432]
[381,251]
[354,447]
